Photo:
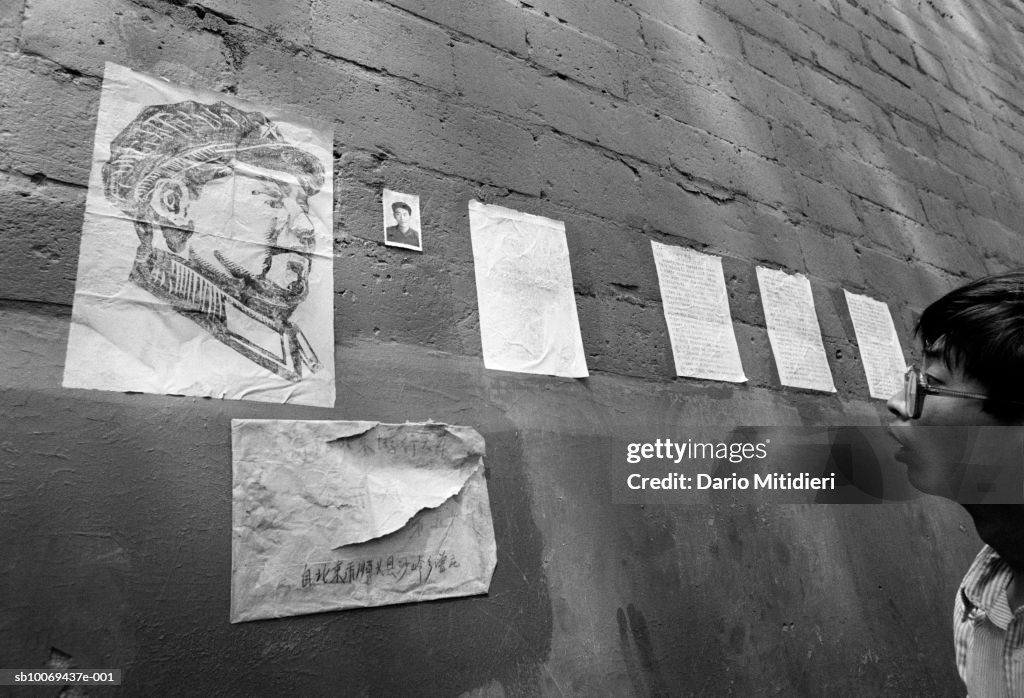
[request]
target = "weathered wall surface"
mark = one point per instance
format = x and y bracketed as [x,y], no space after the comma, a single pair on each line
[871,145]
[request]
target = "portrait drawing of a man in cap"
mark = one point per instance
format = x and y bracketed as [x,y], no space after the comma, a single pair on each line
[219,201]
[205,263]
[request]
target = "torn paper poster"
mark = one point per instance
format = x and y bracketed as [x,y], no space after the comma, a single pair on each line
[329,515]
[793,330]
[205,264]
[880,349]
[528,319]
[696,305]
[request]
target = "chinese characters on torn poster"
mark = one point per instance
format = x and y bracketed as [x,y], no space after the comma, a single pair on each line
[334,515]
[205,264]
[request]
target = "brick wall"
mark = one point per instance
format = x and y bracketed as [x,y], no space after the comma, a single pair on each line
[873,146]
[870,146]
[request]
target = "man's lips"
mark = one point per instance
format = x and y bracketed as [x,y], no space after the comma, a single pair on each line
[900,452]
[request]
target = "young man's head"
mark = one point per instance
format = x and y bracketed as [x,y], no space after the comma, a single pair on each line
[978,330]
[971,380]
[403,215]
[226,192]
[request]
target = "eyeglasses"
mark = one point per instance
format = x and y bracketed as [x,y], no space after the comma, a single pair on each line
[915,387]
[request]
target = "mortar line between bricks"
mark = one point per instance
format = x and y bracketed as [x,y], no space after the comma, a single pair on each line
[885,107]
[49,307]
[18,175]
[543,70]
[599,146]
[916,21]
[568,136]
[586,86]
[547,16]
[871,97]
[78,77]
[226,18]
[528,8]
[458,35]
[827,109]
[621,156]
[452,32]
[450,175]
[611,154]
[738,198]
[649,233]
[852,57]
[21,25]
[856,59]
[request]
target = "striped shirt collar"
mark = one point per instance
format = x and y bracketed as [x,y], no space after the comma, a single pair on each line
[988,637]
[984,587]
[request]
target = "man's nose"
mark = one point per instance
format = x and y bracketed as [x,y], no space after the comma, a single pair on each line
[299,233]
[897,404]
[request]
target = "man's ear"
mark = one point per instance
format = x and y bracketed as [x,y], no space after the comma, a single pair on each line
[170,202]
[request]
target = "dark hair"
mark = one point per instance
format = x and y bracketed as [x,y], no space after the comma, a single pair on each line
[401,204]
[979,329]
[195,143]
[168,140]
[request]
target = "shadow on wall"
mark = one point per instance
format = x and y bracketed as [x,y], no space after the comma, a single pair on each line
[132,566]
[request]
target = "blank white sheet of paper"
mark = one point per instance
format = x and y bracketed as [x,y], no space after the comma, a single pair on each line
[528,320]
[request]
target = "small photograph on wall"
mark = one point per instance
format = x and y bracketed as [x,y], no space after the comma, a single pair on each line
[402,220]
[206,262]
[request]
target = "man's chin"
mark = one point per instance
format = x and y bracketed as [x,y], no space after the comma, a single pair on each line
[903,455]
[921,475]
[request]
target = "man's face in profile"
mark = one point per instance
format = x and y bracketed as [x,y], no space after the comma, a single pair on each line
[402,218]
[254,226]
[954,446]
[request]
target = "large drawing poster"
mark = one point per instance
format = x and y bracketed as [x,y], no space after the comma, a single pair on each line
[205,265]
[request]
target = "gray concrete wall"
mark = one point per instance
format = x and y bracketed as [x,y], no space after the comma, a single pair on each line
[872,145]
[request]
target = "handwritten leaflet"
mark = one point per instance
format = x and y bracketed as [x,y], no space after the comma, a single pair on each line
[329,515]
[793,330]
[696,306]
[880,349]
[205,264]
[528,319]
